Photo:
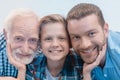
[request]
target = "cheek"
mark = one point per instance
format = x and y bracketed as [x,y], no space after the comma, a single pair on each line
[34,47]
[44,46]
[15,46]
[67,43]
[44,50]
[75,45]
[100,41]
[66,47]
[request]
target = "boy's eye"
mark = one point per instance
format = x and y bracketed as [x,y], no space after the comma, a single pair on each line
[48,39]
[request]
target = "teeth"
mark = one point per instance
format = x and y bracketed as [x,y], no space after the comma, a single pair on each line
[55,51]
[88,51]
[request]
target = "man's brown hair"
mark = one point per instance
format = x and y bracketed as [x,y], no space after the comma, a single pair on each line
[84,9]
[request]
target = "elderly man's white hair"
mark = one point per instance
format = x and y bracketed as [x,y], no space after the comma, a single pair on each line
[15,13]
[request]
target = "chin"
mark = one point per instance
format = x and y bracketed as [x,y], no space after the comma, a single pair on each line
[89,61]
[57,58]
[28,61]
[25,60]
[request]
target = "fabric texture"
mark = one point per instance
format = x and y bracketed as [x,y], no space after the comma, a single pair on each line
[71,70]
[111,70]
[6,69]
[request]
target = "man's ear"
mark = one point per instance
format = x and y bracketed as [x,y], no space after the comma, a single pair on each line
[5,33]
[106,29]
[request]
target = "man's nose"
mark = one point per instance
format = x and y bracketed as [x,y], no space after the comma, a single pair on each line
[26,47]
[85,43]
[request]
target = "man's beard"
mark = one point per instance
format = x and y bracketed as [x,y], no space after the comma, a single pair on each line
[97,48]
[24,59]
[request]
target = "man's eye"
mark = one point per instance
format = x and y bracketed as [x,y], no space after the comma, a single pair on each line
[33,41]
[62,38]
[75,37]
[91,34]
[18,39]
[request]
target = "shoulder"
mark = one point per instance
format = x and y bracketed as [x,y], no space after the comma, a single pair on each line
[38,59]
[74,62]
[113,46]
[71,69]
[114,40]
[2,41]
[75,59]
[36,68]
[38,62]
[3,56]
[114,36]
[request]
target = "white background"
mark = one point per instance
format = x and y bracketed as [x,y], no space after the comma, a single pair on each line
[110,8]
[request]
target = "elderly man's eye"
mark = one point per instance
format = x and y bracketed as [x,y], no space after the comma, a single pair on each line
[62,38]
[18,39]
[33,41]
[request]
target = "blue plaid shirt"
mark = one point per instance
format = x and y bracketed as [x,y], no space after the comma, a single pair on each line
[6,69]
[71,70]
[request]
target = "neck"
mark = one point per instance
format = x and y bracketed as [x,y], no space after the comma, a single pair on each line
[102,63]
[55,67]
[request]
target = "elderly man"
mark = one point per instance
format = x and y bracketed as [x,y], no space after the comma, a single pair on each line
[20,36]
